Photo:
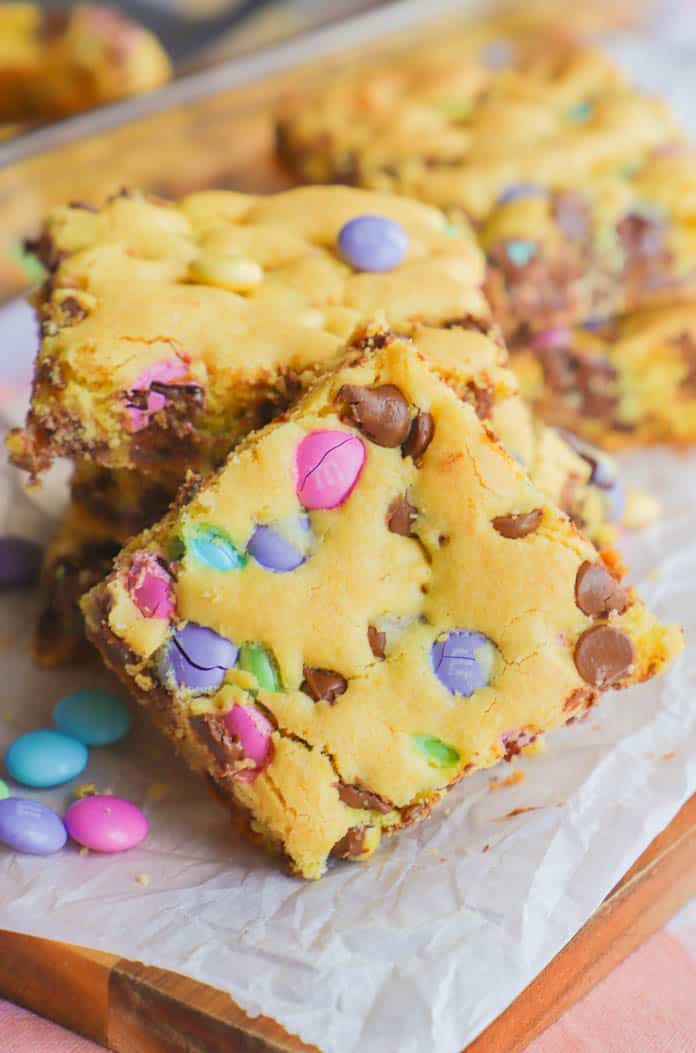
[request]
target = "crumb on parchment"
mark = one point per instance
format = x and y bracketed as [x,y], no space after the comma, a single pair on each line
[512,780]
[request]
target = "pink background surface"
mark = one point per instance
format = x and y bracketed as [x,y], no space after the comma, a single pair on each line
[647,1005]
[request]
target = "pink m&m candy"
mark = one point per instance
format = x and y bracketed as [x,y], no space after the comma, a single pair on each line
[149,586]
[138,416]
[106,824]
[329,464]
[254,730]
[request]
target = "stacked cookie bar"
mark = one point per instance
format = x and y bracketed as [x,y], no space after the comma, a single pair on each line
[372,581]
[581,189]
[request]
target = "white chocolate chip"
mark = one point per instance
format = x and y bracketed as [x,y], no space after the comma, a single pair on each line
[228,272]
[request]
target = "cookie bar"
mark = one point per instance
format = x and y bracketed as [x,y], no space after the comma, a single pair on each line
[559,256]
[461,123]
[171,330]
[618,383]
[368,602]
[59,61]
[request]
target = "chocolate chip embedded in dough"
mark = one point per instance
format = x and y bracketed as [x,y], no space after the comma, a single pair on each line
[419,437]
[351,844]
[400,516]
[640,236]
[214,735]
[357,796]
[377,641]
[603,655]
[597,592]
[518,525]
[382,413]
[323,684]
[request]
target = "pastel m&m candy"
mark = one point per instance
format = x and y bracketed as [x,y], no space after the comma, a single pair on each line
[106,824]
[45,758]
[329,464]
[253,730]
[96,718]
[373,243]
[150,586]
[463,661]
[30,827]
[198,657]
[20,561]
[273,549]
[4,792]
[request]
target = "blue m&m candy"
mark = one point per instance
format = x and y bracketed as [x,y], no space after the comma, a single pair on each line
[45,758]
[373,243]
[96,718]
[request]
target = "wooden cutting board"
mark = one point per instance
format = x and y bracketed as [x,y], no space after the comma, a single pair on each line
[135,1009]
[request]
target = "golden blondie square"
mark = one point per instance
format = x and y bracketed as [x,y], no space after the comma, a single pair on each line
[369,601]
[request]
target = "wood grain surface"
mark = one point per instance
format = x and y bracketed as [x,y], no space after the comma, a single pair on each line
[132,1008]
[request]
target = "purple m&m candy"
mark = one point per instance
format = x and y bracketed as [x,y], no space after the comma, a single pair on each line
[273,550]
[106,824]
[328,464]
[373,243]
[198,657]
[20,561]
[604,474]
[518,191]
[463,660]
[30,827]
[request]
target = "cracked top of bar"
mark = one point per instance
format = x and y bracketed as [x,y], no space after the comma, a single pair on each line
[369,601]
[171,329]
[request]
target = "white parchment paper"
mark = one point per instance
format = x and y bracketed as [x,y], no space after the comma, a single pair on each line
[422,947]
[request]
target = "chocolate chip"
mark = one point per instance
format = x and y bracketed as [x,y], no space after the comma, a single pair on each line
[351,844]
[482,399]
[639,235]
[53,24]
[357,796]
[518,525]
[381,413]
[400,516]
[597,592]
[571,212]
[603,655]
[580,698]
[72,310]
[322,684]
[214,735]
[687,345]
[419,437]
[377,641]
